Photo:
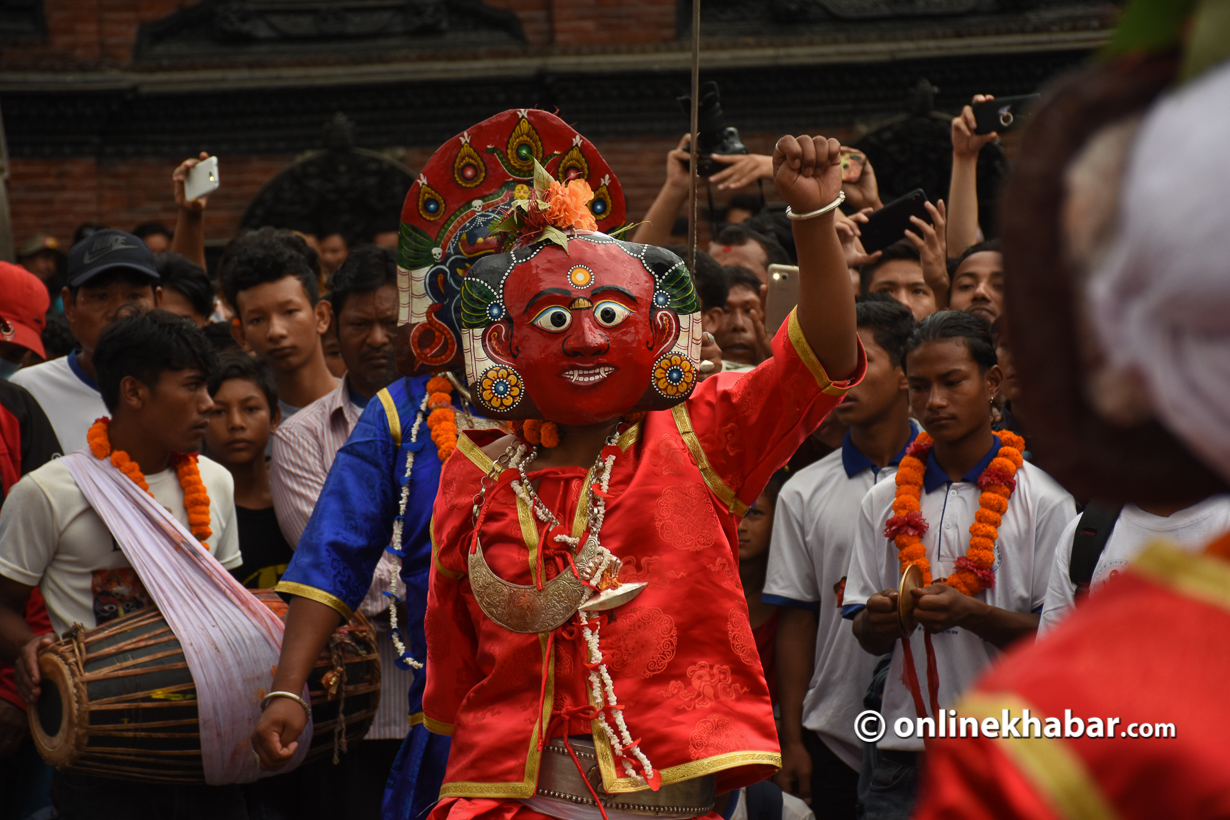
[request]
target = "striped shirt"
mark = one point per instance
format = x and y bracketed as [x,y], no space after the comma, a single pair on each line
[304,447]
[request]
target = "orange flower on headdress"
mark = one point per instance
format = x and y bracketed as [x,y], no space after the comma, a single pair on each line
[568,205]
[548,211]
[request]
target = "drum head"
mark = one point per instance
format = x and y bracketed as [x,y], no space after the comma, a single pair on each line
[911,579]
[55,718]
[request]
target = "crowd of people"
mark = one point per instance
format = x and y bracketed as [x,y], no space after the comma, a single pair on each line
[281,369]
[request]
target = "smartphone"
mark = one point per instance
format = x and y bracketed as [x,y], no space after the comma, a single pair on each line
[852,165]
[889,224]
[202,179]
[781,297]
[1002,113]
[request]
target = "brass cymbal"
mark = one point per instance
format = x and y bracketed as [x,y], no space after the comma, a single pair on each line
[911,579]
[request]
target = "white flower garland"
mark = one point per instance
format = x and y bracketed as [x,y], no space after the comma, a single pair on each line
[393,568]
[602,688]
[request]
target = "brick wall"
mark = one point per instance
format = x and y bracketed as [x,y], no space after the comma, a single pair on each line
[55,196]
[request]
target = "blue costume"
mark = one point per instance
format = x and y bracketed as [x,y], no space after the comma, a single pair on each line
[351,525]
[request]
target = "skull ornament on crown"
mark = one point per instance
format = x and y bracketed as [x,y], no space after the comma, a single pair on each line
[555,320]
[466,188]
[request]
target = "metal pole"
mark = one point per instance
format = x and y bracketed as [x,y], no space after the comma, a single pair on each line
[693,218]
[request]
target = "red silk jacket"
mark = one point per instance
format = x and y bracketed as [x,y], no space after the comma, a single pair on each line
[681,654]
[1146,650]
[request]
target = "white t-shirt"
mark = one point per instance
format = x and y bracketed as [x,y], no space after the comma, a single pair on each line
[1191,530]
[1037,512]
[67,395]
[51,538]
[813,534]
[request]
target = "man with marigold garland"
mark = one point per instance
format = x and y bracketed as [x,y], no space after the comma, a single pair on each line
[152,371]
[979,522]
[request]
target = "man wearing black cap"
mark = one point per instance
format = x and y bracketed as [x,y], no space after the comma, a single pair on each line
[111,275]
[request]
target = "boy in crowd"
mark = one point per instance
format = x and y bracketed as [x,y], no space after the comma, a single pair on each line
[822,670]
[742,336]
[152,372]
[155,235]
[978,281]
[898,272]
[952,377]
[364,309]
[755,531]
[269,278]
[244,415]
[739,245]
[111,275]
[186,289]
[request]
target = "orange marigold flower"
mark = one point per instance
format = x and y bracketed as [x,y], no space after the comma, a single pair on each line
[550,434]
[435,400]
[994,502]
[977,543]
[439,384]
[442,415]
[567,206]
[445,450]
[904,505]
[960,584]
[1001,463]
[910,491]
[988,517]
[533,431]
[981,530]
[909,473]
[913,553]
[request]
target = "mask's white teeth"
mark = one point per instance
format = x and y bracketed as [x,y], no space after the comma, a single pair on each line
[588,375]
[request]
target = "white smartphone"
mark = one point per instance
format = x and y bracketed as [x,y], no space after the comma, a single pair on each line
[202,179]
[782,295]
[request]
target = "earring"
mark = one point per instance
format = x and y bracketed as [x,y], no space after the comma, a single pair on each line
[673,375]
[499,389]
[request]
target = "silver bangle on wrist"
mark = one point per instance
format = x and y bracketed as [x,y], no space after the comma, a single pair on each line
[841,197]
[307,707]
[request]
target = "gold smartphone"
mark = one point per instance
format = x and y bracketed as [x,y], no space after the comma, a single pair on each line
[781,297]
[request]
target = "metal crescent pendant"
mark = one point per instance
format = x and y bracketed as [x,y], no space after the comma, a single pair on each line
[522,608]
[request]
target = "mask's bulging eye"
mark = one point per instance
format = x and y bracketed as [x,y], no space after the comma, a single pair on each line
[554,319]
[610,314]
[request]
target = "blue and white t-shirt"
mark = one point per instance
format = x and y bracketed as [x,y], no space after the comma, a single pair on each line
[67,395]
[1038,511]
[813,534]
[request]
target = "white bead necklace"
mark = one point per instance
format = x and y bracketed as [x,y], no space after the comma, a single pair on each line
[602,688]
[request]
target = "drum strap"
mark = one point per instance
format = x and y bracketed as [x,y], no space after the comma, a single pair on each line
[231,641]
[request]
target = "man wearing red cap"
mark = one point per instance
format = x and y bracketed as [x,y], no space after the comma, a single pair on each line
[26,438]
[27,442]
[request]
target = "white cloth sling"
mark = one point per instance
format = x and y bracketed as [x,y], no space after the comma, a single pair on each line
[231,641]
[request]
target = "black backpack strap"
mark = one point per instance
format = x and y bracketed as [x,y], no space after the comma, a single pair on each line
[1092,532]
[764,801]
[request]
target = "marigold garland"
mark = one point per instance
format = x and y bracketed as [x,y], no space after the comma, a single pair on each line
[442,420]
[907,526]
[196,497]
[541,433]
